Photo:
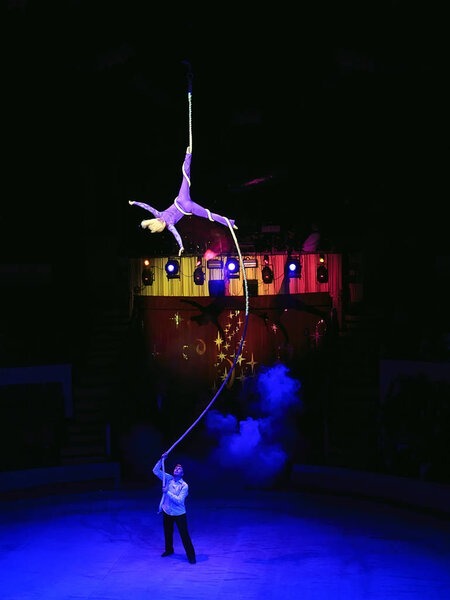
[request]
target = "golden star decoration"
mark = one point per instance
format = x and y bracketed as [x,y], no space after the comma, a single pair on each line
[177,318]
[218,341]
[252,363]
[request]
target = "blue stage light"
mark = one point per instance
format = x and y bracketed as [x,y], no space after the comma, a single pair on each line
[232,268]
[172,269]
[293,268]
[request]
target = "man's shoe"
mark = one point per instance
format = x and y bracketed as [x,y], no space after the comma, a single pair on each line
[192,561]
[167,553]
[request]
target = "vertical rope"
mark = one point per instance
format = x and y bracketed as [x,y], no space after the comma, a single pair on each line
[190,119]
[163,485]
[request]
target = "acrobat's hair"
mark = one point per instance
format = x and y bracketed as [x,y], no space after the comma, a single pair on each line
[155,225]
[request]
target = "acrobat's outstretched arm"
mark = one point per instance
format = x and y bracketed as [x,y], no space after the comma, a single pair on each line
[172,229]
[154,212]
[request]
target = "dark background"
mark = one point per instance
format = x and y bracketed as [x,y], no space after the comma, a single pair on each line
[340,110]
[342,106]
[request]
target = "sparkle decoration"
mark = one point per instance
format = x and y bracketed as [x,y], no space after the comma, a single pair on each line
[252,363]
[218,341]
[177,318]
[319,331]
[227,352]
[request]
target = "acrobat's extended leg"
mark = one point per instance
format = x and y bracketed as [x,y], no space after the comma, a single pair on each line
[199,211]
[184,194]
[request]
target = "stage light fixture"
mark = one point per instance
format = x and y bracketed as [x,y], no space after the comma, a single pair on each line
[148,275]
[322,271]
[199,275]
[214,263]
[232,268]
[172,269]
[250,263]
[267,273]
[293,268]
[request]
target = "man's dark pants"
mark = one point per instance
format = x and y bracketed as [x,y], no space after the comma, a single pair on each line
[181,521]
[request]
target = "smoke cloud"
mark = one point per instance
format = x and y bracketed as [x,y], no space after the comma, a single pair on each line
[278,391]
[256,449]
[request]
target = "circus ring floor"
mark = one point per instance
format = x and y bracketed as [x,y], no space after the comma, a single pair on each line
[288,544]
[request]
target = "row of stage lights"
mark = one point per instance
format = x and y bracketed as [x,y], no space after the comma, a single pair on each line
[293,269]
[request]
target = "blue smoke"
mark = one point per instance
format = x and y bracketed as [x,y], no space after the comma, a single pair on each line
[256,448]
[220,424]
[278,391]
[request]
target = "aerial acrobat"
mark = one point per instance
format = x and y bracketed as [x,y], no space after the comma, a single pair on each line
[183,204]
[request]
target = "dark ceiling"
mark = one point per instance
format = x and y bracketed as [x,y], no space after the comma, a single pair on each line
[335,113]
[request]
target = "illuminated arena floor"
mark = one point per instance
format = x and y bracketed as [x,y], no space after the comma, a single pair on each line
[266,545]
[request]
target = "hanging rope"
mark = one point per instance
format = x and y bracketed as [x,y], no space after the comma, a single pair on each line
[190,119]
[190,77]
[225,381]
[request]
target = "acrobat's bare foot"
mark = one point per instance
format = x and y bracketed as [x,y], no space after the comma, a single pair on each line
[130,202]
